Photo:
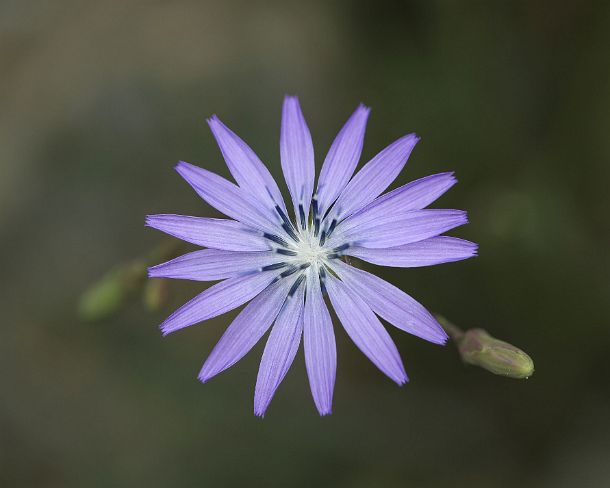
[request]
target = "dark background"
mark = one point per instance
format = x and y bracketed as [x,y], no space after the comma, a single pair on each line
[99,99]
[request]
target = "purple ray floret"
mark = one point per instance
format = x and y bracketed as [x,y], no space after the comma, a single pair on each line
[289,266]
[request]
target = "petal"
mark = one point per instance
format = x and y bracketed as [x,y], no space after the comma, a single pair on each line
[436,250]
[412,196]
[391,304]
[216,233]
[245,166]
[296,150]
[364,328]
[218,299]
[280,351]
[342,159]
[389,231]
[227,198]
[374,177]
[319,345]
[246,330]
[214,264]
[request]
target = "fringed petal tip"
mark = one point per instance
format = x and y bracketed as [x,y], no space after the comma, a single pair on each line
[213,119]
[204,377]
[183,168]
[401,381]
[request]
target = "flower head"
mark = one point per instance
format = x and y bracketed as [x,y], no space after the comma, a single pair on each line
[284,267]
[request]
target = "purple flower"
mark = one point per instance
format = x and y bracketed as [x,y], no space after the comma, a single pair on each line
[284,267]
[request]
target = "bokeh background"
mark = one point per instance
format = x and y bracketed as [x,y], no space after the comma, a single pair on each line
[98,100]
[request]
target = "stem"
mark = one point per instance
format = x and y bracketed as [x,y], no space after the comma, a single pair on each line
[452,330]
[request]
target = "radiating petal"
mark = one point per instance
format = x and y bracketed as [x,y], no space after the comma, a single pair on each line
[229,235]
[228,198]
[374,177]
[342,159]
[436,250]
[246,330]
[296,151]
[245,166]
[364,328]
[319,345]
[280,350]
[391,304]
[218,299]
[214,264]
[413,226]
[412,196]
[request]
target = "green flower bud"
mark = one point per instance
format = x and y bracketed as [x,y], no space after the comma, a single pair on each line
[106,297]
[477,347]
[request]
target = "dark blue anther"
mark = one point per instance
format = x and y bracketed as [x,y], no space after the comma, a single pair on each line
[342,247]
[276,239]
[286,252]
[295,285]
[269,267]
[302,216]
[323,237]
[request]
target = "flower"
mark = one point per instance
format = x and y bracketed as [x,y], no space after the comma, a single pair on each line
[285,267]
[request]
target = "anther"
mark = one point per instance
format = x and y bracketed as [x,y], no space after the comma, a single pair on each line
[276,239]
[322,274]
[293,269]
[286,252]
[296,285]
[323,237]
[342,247]
[302,216]
[269,267]
[333,224]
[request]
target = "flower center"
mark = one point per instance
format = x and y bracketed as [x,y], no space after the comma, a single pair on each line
[309,249]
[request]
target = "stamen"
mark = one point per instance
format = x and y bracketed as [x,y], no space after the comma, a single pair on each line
[302,216]
[323,237]
[316,218]
[290,231]
[269,267]
[287,225]
[342,247]
[295,285]
[322,274]
[286,252]
[293,269]
[333,224]
[276,239]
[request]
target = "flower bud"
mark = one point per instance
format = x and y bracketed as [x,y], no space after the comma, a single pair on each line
[106,297]
[477,347]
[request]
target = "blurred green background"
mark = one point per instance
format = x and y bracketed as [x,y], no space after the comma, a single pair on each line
[98,100]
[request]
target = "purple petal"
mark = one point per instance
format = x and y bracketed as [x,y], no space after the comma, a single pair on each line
[412,196]
[389,231]
[280,350]
[296,150]
[218,299]
[227,198]
[364,328]
[245,166]
[319,345]
[246,330]
[342,159]
[391,304]
[374,177]
[214,264]
[215,233]
[436,250]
